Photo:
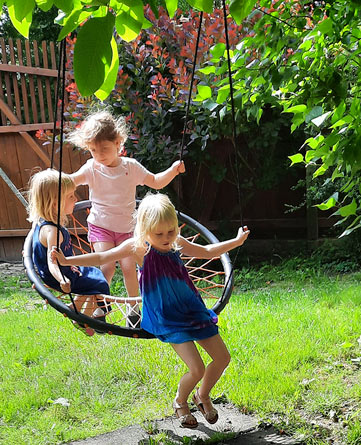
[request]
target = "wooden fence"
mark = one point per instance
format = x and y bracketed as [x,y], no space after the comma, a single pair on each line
[28,76]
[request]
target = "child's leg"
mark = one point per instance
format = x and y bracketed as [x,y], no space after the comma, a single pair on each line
[189,354]
[129,270]
[218,351]
[109,268]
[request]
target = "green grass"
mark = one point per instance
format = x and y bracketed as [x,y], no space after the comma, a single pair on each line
[292,333]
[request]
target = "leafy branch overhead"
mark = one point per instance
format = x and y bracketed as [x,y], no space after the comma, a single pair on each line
[99,23]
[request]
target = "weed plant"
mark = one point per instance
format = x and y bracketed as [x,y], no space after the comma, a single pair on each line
[292,330]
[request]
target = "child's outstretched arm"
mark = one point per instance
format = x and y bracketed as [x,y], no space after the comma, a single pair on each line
[213,250]
[94,259]
[162,179]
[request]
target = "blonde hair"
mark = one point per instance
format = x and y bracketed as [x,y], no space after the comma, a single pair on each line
[98,127]
[43,195]
[154,209]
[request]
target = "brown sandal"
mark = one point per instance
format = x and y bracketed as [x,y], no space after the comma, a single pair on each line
[186,419]
[210,416]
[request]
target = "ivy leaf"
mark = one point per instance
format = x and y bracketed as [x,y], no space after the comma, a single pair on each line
[223,93]
[111,75]
[296,109]
[296,159]
[93,53]
[21,8]
[241,9]
[127,26]
[349,209]
[67,5]
[171,6]
[72,21]
[218,50]
[331,202]
[208,70]
[202,5]
[325,26]
[23,26]
[204,92]
[44,5]
[315,112]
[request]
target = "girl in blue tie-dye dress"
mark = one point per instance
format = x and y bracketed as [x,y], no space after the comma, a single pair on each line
[172,308]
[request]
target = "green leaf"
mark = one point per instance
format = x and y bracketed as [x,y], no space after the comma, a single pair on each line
[296,159]
[320,171]
[241,9]
[339,112]
[72,21]
[21,8]
[44,5]
[349,209]
[223,94]
[171,6]
[315,112]
[129,20]
[296,109]
[154,7]
[93,53]
[325,26]
[204,92]
[345,120]
[331,202]
[218,50]
[208,69]
[23,26]
[111,75]
[210,105]
[67,5]
[202,5]
[318,121]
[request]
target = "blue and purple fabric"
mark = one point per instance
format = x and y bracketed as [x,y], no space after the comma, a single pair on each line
[84,280]
[172,308]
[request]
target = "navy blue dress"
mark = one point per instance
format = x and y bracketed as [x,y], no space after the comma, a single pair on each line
[87,281]
[172,308]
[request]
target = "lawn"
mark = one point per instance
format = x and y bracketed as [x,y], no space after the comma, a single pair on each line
[292,331]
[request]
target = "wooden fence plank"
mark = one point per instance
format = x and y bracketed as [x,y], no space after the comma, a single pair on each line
[49,97]
[15,80]
[26,127]
[40,85]
[4,59]
[38,71]
[31,83]
[3,119]
[24,90]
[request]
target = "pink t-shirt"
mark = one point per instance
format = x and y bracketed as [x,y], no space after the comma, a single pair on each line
[112,192]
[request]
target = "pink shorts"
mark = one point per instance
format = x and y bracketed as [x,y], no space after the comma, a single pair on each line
[96,233]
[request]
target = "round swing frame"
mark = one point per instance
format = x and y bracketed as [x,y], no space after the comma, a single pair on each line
[109,328]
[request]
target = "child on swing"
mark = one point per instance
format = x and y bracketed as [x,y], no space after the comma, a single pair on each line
[112,181]
[88,282]
[172,308]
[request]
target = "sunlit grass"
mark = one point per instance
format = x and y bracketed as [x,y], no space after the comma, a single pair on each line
[292,337]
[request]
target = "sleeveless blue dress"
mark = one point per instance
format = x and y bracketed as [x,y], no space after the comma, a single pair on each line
[172,308]
[90,280]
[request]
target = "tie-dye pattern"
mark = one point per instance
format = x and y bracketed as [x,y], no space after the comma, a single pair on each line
[171,303]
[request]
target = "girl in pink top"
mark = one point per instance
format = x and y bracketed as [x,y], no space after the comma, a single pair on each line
[112,181]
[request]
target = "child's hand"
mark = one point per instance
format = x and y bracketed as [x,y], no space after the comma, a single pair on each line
[57,256]
[242,234]
[65,285]
[178,167]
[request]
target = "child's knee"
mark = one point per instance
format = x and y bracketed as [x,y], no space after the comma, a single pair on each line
[198,372]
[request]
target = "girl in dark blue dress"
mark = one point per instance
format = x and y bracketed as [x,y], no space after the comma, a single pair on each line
[86,282]
[172,308]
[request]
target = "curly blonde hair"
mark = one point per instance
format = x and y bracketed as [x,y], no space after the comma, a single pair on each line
[98,127]
[43,195]
[154,209]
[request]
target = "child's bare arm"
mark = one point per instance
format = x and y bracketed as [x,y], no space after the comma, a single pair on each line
[78,177]
[49,238]
[97,258]
[162,179]
[213,250]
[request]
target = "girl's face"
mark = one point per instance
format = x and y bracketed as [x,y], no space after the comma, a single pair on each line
[106,152]
[163,236]
[69,202]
